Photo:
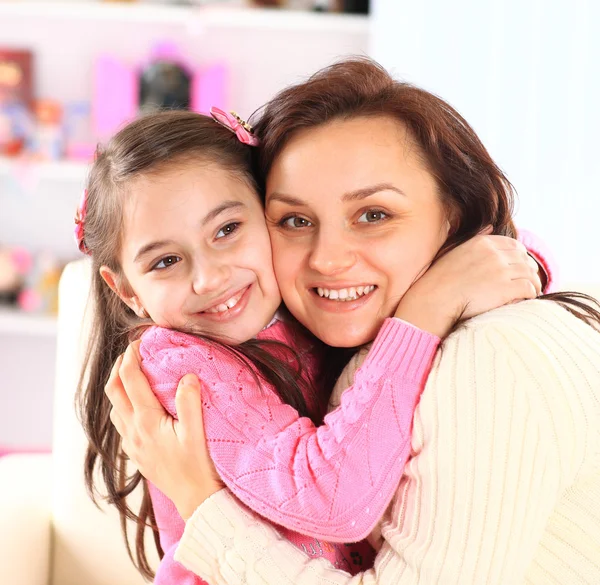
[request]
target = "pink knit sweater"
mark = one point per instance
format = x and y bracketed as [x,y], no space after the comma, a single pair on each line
[332,482]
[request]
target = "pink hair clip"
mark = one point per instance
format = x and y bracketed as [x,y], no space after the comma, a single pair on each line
[233,122]
[80,224]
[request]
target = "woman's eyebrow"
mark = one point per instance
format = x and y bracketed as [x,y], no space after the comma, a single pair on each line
[365,192]
[282,198]
[355,195]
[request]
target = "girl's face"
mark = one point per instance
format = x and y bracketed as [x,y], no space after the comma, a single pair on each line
[355,218]
[196,253]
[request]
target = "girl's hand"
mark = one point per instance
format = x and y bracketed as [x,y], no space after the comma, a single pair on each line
[482,274]
[170,453]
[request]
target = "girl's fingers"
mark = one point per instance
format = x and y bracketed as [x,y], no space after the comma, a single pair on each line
[135,382]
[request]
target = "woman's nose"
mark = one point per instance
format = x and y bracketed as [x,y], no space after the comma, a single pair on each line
[331,253]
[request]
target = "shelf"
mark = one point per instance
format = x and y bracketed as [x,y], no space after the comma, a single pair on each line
[52,171]
[14,322]
[194,18]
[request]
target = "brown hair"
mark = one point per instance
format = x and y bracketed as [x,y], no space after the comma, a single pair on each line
[474,190]
[146,146]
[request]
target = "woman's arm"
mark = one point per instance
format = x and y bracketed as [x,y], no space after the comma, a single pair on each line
[494,446]
[332,482]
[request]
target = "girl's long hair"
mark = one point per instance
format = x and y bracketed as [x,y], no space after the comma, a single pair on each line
[147,146]
[473,189]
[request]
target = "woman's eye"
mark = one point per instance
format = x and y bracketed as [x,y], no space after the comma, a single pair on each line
[294,222]
[372,216]
[166,262]
[227,230]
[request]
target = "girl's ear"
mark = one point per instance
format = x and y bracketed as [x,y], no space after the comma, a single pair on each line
[123,292]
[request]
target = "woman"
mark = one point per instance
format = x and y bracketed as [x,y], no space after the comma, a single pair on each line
[504,479]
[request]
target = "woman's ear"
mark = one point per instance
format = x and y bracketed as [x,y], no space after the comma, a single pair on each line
[122,291]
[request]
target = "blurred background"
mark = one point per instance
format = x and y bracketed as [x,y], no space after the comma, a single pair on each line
[525,74]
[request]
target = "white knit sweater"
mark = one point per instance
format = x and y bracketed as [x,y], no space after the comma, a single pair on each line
[503,486]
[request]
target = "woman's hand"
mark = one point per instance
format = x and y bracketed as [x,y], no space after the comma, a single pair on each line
[170,453]
[482,274]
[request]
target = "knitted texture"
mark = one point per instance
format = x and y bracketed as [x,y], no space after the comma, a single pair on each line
[503,484]
[329,483]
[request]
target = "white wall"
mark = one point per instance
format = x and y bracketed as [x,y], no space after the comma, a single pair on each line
[526,75]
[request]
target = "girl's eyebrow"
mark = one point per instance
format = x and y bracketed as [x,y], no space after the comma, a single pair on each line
[211,215]
[150,248]
[355,195]
[225,206]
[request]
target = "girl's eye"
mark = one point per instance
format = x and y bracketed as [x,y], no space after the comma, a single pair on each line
[372,216]
[294,222]
[227,230]
[166,262]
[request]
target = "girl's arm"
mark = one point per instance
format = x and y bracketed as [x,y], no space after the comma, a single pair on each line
[332,482]
[495,445]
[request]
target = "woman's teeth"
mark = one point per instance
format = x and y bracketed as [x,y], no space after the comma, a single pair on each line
[345,294]
[228,304]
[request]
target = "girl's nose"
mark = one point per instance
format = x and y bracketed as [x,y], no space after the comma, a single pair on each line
[210,277]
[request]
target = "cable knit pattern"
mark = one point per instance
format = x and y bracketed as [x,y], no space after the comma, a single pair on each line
[503,485]
[332,482]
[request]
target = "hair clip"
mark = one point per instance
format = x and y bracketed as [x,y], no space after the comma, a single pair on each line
[80,224]
[233,122]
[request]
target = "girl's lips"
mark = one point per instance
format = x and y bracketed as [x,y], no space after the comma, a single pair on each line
[229,314]
[337,306]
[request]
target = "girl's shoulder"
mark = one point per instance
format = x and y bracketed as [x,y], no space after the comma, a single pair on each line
[168,352]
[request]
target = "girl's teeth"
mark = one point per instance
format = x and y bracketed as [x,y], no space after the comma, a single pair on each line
[229,304]
[345,294]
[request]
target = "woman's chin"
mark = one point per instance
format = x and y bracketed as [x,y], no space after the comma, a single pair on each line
[346,336]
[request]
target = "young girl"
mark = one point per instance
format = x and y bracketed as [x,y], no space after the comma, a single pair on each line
[175,228]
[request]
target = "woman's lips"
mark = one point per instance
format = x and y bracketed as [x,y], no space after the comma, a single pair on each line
[345,294]
[341,300]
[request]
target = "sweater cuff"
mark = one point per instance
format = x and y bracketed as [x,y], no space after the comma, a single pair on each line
[219,538]
[542,255]
[403,348]
[209,533]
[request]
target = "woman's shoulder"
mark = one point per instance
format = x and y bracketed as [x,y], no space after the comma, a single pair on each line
[540,339]
[535,318]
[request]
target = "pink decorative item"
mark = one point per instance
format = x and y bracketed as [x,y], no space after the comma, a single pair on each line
[115,100]
[121,91]
[209,88]
[233,122]
[80,224]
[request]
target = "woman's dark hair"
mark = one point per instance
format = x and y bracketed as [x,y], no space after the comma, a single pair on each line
[147,146]
[473,189]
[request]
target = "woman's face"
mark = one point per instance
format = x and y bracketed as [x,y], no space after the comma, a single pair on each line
[355,218]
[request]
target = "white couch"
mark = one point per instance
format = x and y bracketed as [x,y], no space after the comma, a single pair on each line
[50,532]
